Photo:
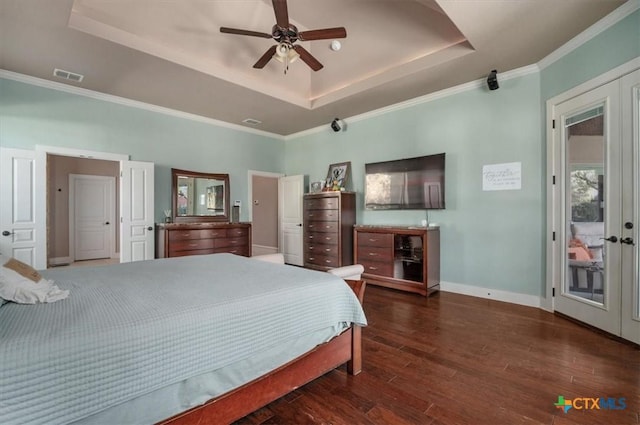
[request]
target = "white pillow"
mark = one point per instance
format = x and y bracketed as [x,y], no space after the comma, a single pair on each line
[17,288]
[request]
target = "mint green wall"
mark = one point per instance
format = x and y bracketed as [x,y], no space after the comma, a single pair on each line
[488,239]
[613,47]
[31,115]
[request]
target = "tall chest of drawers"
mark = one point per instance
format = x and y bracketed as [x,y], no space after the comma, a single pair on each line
[328,229]
[180,239]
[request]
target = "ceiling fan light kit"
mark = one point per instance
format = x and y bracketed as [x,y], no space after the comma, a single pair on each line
[286,34]
[286,55]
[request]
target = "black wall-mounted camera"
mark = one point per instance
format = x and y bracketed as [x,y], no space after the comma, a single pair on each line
[335,125]
[492,80]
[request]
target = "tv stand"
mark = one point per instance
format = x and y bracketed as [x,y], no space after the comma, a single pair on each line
[405,258]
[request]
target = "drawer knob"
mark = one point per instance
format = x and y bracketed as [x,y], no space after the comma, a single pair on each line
[373,268]
[373,254]
[193,244]
[327,249]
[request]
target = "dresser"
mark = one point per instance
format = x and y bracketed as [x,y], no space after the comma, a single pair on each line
[405,258]
[329,218]
[180,239]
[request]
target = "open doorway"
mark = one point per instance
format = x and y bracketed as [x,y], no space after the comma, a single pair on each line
[65,201]
[263,209]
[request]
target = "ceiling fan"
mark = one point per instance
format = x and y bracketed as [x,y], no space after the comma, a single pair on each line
[286,35]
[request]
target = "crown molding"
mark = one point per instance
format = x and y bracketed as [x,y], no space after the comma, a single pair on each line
[471,85]
[53,85]
[599,27]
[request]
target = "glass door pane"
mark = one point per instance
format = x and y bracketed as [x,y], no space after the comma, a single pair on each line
[585,183]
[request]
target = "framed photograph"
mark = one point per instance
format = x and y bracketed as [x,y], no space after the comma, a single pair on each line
[315,187]
[337,176]
[211,198]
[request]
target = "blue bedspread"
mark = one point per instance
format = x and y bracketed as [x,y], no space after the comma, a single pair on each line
[130,329]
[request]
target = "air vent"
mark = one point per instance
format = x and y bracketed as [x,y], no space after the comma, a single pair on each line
[251,121]
[67,75]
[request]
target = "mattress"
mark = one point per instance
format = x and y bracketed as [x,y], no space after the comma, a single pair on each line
[130,330]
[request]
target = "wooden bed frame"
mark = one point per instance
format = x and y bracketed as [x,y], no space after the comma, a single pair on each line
[238,403]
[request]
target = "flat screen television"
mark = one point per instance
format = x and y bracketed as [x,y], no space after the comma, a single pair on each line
[405,184]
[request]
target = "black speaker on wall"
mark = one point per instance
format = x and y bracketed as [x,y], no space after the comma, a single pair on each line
[492,80]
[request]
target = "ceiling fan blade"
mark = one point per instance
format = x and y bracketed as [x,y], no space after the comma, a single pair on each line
[282,15]
[323,34]
[245,32]
[308,58]
[265,58]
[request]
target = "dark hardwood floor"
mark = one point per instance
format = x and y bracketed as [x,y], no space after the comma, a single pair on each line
[454,359]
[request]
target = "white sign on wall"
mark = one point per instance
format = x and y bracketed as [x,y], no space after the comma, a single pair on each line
[506,176]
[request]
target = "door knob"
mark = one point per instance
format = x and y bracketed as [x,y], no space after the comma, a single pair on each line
[6,233]
[628,241]
[613,239]
[628,225]
[107,223]
[149,228]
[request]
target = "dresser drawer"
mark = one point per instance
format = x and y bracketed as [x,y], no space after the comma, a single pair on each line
[320,237]
[237,232]
[375,239]
[322,260]
[323,215]
[322,204]
[175,253]
[373,253]
[227,242]
[191,244]
[377,268]
[322,226]
[237,250]
[180,235]
[322,249]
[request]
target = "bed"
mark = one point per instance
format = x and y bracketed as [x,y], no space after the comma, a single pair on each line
[200,339]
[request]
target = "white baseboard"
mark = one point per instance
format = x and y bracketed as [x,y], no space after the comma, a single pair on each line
[493,294]
[60,261]
[263,249]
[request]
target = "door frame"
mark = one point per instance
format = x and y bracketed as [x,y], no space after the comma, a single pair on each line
[111,213]
[552,271]
[41,152]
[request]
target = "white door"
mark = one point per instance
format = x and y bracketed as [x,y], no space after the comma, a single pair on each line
[136,206]
[596,207]
[290,192]
[21,225]
[91,216]
[630,233]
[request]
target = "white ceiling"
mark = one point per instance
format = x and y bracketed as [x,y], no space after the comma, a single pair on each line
[172,54]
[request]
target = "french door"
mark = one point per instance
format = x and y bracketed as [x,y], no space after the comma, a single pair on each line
[595,207]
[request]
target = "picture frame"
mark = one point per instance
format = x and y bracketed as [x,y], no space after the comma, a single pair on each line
[315,187]
[337,176]
[211,198]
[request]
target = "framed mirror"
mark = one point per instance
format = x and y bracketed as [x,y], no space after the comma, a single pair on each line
[199,197]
